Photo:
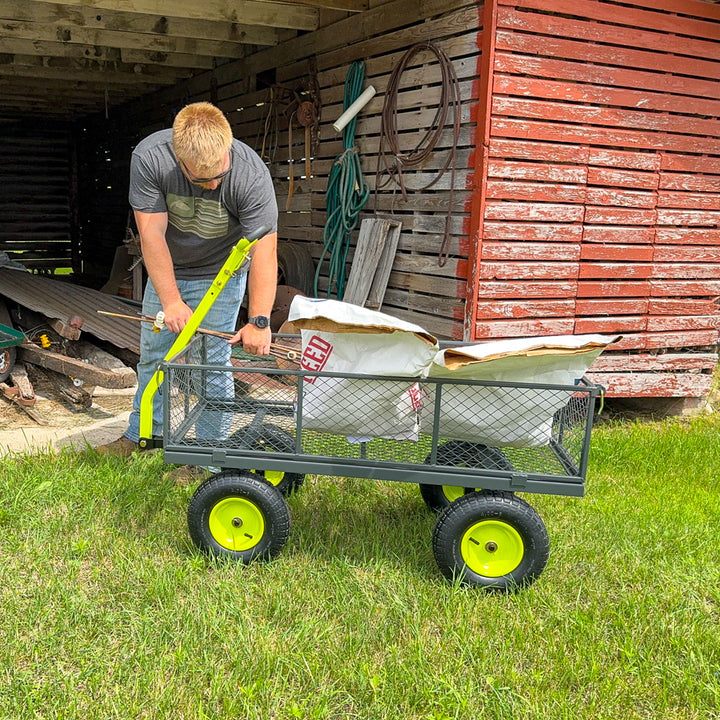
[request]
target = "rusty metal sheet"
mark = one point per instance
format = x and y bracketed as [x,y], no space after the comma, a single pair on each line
[57,299]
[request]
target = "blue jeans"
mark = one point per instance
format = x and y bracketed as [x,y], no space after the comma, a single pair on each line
[222,316]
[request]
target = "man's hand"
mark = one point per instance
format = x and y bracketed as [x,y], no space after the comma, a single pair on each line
[177,315]
[255,340]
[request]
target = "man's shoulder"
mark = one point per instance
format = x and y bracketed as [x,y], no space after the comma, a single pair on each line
[157,142]
[244,153]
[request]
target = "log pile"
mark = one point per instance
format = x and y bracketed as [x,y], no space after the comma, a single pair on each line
[59,352]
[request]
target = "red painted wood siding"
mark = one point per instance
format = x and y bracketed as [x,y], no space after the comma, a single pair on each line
[602,203]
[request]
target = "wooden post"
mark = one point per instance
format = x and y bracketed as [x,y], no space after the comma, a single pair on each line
[482,141]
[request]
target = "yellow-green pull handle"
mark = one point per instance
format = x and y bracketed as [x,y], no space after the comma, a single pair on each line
[235,260]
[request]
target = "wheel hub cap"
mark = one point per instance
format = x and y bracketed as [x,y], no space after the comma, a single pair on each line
[492,548]
[236,524]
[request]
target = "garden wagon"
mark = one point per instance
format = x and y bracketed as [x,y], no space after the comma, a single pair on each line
[251,427]
[10,338]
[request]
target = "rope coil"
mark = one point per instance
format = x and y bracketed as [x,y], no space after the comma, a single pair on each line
[392,161]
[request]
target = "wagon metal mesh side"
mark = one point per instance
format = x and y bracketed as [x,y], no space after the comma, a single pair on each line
[516,436]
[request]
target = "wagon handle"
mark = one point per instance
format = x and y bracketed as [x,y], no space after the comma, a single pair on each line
[237,257]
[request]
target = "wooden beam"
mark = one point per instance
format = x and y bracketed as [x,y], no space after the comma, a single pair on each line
[349,5]
[56,49]
[88,18]
[35,37]
[75,368]
[82,71]
[248,12]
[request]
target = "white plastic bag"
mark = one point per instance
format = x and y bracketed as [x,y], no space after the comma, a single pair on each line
[501,415]
[344,338]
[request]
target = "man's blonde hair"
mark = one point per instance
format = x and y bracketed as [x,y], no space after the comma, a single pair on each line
[202,136]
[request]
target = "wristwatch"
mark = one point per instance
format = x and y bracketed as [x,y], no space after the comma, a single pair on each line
[260,321]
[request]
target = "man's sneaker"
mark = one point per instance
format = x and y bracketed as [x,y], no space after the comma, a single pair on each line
[187,474]
[122,447]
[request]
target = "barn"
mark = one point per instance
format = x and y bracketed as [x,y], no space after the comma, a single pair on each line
[520,167]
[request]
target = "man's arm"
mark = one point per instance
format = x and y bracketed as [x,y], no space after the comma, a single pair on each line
[262,285]
[152,227]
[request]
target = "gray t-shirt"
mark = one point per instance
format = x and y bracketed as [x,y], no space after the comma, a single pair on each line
[203,225]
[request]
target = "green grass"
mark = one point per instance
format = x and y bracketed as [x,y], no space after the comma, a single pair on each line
[109,612]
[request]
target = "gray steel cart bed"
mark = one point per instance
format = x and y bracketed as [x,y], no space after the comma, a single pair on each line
[261,439]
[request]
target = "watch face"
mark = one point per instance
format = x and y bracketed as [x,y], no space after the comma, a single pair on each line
[261,321]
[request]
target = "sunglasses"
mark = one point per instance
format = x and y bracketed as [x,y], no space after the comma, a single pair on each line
[201,181]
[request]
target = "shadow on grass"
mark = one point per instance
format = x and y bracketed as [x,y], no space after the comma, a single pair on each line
[361,521]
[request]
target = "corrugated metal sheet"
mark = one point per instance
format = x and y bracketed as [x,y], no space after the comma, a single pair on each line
[61,300]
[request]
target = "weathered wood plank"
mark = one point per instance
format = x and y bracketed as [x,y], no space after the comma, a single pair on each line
[593,115]
[659,341]
[682,306]
[573,133]
[612,288]
[684,288]
[532,232]
[616,251]
[676,162]
[528,271]
[653,384]
[584,72]
[494,329]
[636,33]
[538,171]
[666,216]
[669,323]
[545,212]
[611,325]
[668,362]
[557,252]
[689,200]
[689,236]
[520,308]
[601,95]
[536,192]
[616,177]
[620,216]
[603,270]
[611,306]
[496,290]
[687,271]
[689,182]
[560,47]
[616,197]
[546,152]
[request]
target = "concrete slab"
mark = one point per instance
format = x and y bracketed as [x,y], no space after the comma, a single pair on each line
[32,440]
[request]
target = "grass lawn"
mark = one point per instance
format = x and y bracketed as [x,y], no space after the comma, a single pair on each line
[109,612]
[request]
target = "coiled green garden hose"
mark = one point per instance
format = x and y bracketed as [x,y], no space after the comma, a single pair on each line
[346,195]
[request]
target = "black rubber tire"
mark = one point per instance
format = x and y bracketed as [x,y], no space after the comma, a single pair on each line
[438,497]
[238,516]
[275,439]
[492,540]
[7,361]
[295,266]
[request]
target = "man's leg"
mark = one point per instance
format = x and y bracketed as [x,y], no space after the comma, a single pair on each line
[154,346]
[218,387]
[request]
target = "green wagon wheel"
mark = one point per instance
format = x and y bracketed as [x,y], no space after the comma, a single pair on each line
[237,515]
[272,438]
[459,453]
[491,539]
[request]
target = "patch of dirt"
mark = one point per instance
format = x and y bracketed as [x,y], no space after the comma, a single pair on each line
[58,411]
